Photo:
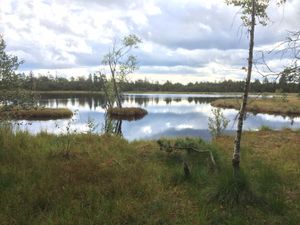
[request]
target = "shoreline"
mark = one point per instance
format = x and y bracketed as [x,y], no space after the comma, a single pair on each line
[273,106]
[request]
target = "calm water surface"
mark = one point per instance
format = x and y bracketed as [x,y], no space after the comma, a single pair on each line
[168,115]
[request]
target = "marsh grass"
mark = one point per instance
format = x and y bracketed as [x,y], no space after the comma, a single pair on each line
[112,181]
[290,106]
[35,113]
[127,113]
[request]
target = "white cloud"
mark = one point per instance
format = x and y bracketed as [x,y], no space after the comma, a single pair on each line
[183,40]
[184,126]
[147,130]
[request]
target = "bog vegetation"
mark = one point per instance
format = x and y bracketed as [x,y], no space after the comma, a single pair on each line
[85,178]
[278,104]
[106,178]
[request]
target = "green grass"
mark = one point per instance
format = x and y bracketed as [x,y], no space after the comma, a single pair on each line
[265,128]
[36,113]
[107,180]
[275,105]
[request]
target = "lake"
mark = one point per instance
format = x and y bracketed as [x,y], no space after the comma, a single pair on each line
[168,115]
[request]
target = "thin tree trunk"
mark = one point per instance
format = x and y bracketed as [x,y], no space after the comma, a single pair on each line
[107,96]
[119,101]
[237,141]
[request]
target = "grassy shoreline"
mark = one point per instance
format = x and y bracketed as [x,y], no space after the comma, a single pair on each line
[36,114]
[107,180]
[288,107]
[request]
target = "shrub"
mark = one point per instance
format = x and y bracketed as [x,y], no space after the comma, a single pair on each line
[217,123]
[265,128]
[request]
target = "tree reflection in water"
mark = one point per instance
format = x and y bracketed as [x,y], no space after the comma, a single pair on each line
[112,126]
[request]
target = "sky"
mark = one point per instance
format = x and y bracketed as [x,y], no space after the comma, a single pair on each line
[182,40]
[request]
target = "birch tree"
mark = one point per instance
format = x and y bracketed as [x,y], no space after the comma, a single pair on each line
[12,91]
[253,12]
[121,63]
[9,79]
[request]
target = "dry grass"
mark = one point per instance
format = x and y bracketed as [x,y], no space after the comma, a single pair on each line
[111,181]
[36,113]
[272,159]
[127,113]
[276,105]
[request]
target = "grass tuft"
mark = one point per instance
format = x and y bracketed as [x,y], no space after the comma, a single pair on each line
[233,189]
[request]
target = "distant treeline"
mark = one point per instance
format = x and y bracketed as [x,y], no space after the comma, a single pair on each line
[95,83]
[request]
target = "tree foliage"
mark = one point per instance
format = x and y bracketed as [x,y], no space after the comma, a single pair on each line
[10,82]
[260,10]
[246,9]
[96,81]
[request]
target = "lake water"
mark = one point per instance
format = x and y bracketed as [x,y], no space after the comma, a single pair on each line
[168,115]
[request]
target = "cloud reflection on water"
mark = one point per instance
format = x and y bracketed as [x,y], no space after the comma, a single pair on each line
[168,115]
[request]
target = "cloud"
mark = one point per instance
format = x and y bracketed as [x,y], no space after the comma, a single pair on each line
[195,39]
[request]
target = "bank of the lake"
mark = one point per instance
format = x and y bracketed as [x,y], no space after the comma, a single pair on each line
[279,105]
[108,180]
[36,113]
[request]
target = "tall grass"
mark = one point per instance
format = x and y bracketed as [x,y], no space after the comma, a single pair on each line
[111,181]
[36,113]
[290,106]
